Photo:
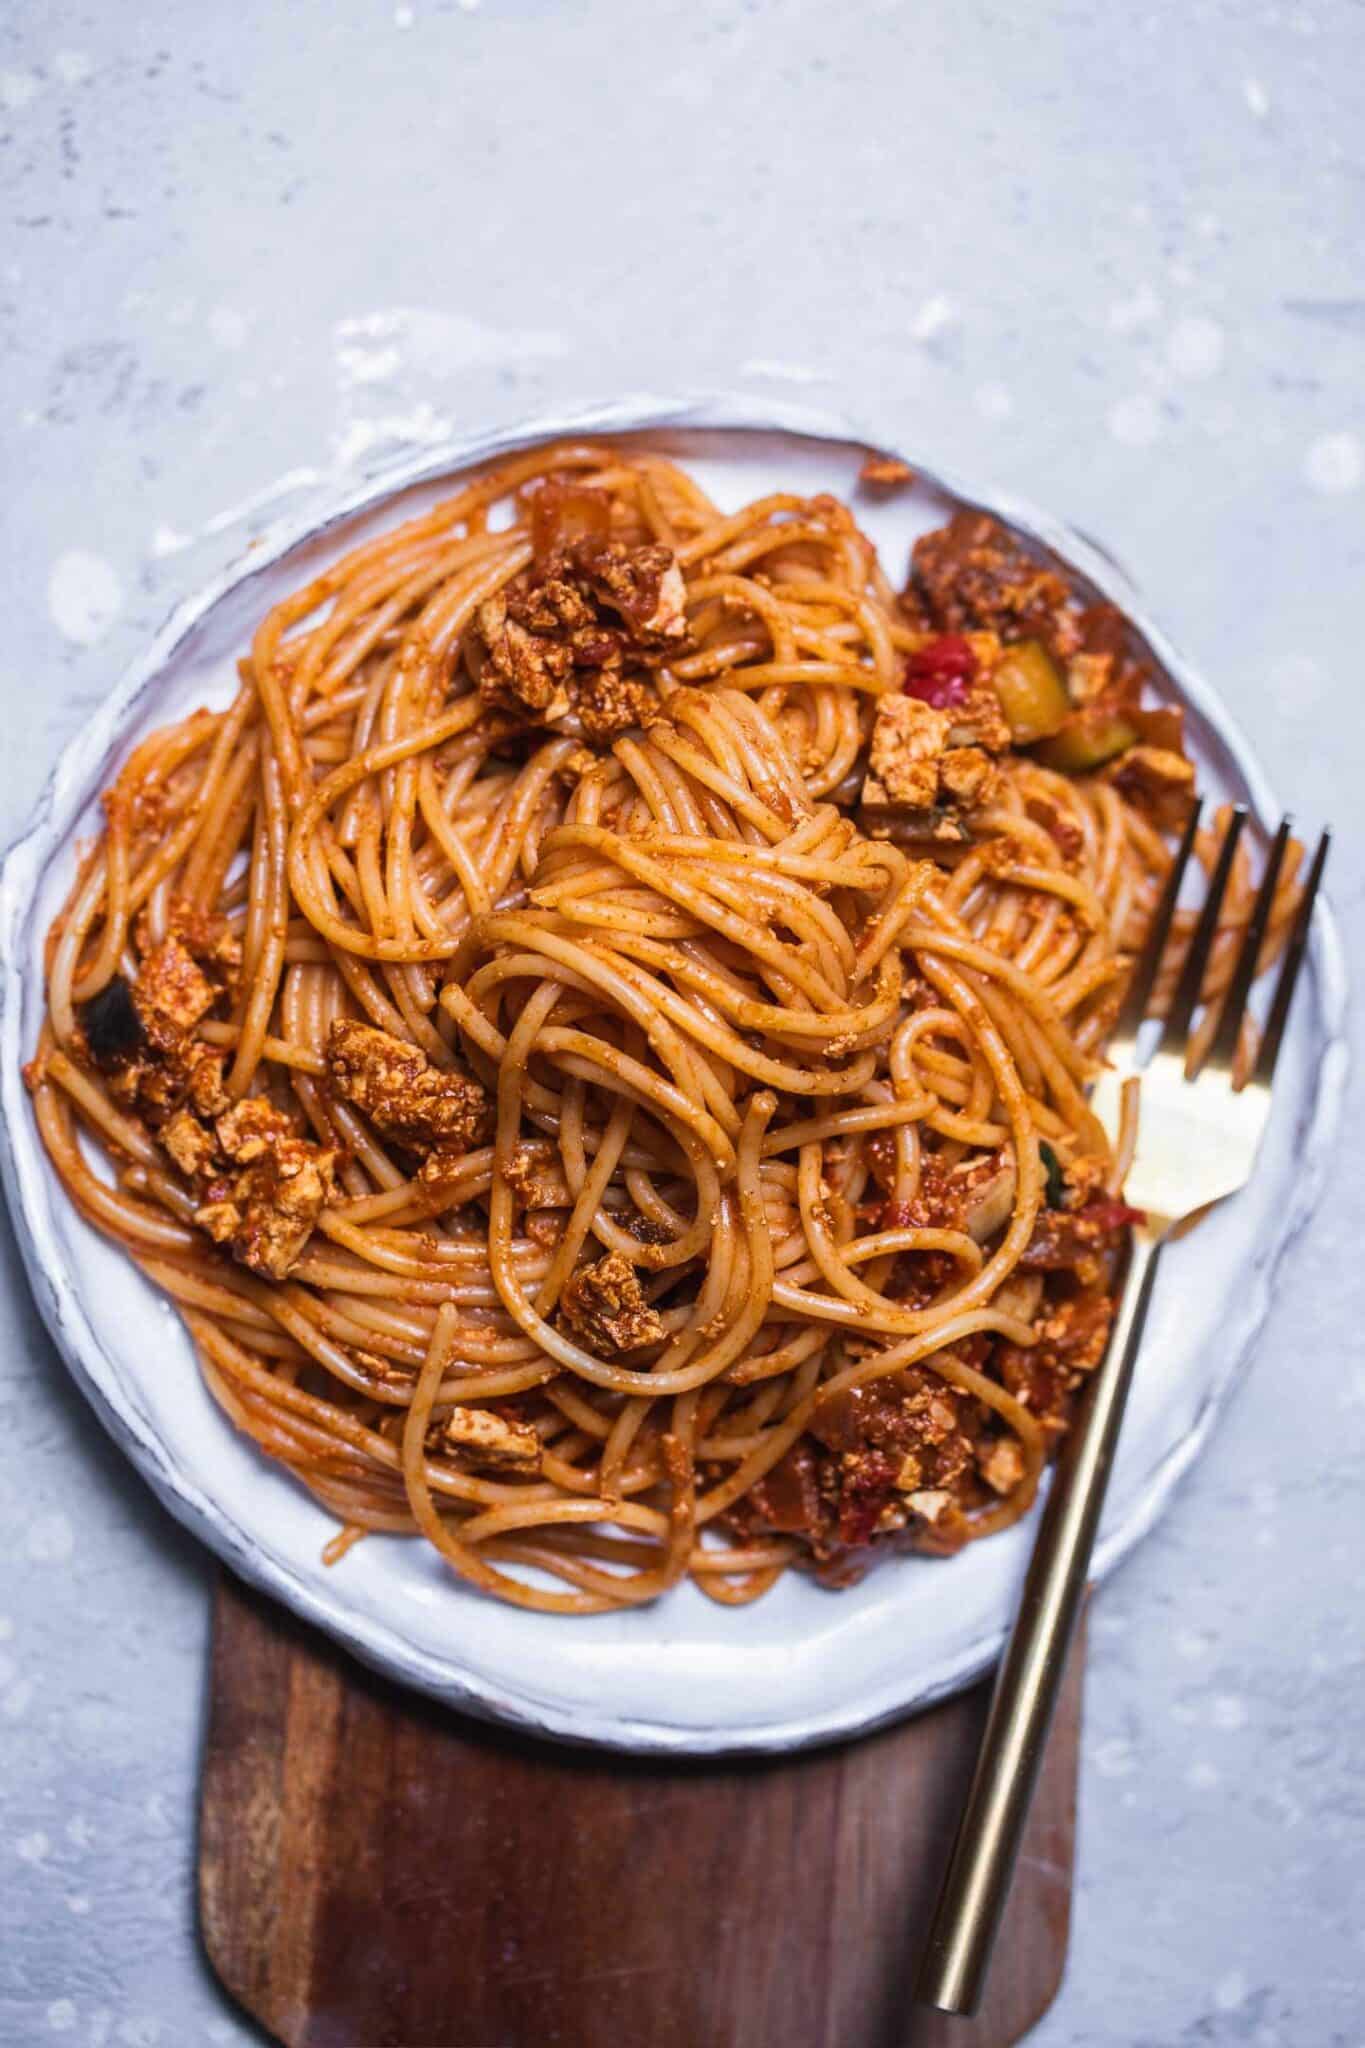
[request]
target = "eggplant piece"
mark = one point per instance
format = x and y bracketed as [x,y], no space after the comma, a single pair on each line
[113,1029]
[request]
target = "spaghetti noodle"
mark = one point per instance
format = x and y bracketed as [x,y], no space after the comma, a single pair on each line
[594,1038]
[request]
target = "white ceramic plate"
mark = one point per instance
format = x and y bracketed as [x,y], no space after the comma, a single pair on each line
[803,1665]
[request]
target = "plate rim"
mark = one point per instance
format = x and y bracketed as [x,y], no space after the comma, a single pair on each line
[87,757]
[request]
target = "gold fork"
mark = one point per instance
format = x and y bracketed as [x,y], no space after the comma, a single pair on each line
[1197,1143]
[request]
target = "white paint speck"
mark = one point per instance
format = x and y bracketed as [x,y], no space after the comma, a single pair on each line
[406,350]
[375,347]
[227,327]
[17,88]
[420,426]
[993,402]
[1256,97]
[1334,464]
[1201,1776]
[32,1848]
[1195,346]
[368,365]
[403,17]
[1193,1643]
[935,316]
[61,2015]
[73,67]
[1136,420]
[1230,1991]
[168,540]
[51,1539]
[469,6]
[6,1628]
[78,1903]
[1227,1711]
[84,598]
[1115,1758]
[1142,308]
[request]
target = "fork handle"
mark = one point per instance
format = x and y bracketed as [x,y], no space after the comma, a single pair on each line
[952,1973]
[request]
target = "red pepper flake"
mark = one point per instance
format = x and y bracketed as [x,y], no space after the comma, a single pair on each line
[942,673]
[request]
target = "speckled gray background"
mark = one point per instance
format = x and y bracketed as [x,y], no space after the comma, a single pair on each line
[1109,256]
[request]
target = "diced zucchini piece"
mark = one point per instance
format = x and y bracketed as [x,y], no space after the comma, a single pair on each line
[1087,740]
[1032,692]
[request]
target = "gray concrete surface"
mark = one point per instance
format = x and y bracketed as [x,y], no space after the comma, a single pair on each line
[1109,256]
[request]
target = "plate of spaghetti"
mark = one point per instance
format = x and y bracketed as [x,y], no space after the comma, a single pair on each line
[546,1034]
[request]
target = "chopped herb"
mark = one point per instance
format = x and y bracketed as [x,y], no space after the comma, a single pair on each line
[1054,1186]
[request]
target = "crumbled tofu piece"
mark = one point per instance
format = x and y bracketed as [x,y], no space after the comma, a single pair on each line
[252,1128]
[930,1503]
[442,1164]
[488,1441]
[402,1093]
[910,1474]
[205,934]
[968,777]
[1001,1464]
[172,990]
[207,1095]
[535,1176]
[523,671]
[569,644]
[1088,676]
[605,1306]
[1156,781]
[267,1211]
[980,722]
[609,703]
[191,1144]
[908,739]
[934,764]
[644,586]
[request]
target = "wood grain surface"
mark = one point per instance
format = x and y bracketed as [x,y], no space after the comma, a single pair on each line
[376,1872]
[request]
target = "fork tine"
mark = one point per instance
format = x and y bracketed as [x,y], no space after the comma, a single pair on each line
[1223,1050]
[1148,963]
[1175,1036]
[1289,970]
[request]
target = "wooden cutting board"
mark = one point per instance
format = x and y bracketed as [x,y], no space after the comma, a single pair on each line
[377,1872]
